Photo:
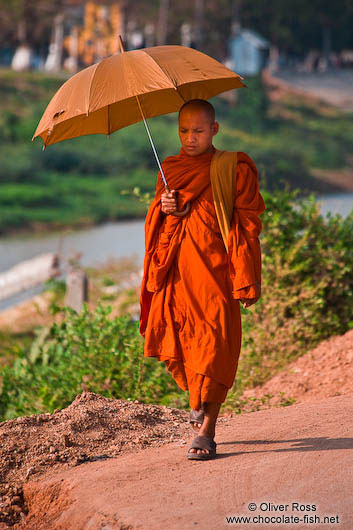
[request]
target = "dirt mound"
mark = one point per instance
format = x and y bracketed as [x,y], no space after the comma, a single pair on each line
[323,372]
[91,428]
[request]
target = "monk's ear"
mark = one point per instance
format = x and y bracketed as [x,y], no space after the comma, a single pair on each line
[215,128]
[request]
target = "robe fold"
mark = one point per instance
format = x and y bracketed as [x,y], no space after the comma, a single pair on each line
[191,286]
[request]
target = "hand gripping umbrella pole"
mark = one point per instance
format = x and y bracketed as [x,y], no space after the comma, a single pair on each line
[187,207]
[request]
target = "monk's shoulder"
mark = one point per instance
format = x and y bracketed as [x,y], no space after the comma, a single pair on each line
[246,173]
[244,158]
[170,160]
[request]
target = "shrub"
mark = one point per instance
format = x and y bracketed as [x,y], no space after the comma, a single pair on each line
[307,286]
[86,351]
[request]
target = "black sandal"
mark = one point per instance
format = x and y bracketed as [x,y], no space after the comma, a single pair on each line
[202,442]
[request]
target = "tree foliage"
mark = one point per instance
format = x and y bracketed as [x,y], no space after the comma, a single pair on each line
[294,26]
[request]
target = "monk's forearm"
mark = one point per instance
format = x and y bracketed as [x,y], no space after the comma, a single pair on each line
[255,249]
[248,293]
[245,268]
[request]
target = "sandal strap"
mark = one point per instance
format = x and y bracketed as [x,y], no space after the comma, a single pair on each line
[203,442]
[196,416]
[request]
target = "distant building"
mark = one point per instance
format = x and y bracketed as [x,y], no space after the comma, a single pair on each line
[248,50]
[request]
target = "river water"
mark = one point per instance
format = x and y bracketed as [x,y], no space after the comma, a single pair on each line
[110,240]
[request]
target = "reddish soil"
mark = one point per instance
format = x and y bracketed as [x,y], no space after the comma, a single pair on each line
[91,428]
[299,454]
[323,372]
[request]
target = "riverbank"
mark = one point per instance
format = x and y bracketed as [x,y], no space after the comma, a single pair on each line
[52,228]
[338,182]
[79,182]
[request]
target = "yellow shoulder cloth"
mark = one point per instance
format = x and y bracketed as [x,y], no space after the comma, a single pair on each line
[222,174]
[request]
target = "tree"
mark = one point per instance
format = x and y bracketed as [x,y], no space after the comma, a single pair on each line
[27,21]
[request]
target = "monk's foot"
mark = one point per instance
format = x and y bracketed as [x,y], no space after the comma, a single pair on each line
[202,448]
[203,432]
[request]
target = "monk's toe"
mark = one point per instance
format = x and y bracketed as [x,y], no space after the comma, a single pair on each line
[202,448]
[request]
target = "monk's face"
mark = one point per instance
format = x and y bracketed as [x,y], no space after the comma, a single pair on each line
[196,131]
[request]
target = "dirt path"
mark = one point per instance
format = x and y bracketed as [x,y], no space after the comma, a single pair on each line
[297,454]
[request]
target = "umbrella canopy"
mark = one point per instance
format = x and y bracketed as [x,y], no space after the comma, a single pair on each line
[114,93]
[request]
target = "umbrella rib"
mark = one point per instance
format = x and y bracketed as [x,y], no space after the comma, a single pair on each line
[90,88]
[162,72]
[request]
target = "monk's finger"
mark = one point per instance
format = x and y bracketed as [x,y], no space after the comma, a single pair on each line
[171,199]
[168,195]
[249,301]
[168,206]
[168,202]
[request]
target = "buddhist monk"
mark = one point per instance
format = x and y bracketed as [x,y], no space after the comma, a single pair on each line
[195,277]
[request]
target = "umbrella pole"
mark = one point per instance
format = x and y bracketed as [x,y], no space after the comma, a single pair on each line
[187,207]
[186,210]
[122,50]
[153,147]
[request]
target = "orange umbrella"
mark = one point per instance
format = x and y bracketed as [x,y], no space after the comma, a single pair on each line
[128,87]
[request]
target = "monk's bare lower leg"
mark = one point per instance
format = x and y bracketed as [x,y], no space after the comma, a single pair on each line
[208,427]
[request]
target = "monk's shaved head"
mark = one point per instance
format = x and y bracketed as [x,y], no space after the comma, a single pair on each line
[197,127]
[198,105]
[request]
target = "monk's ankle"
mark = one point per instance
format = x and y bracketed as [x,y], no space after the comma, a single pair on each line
[210,433]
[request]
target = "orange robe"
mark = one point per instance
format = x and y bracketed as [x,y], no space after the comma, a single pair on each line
[190,314]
